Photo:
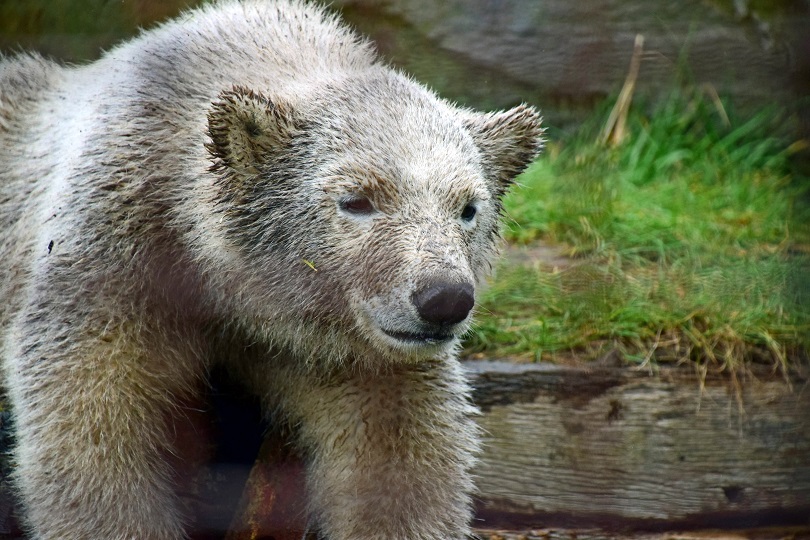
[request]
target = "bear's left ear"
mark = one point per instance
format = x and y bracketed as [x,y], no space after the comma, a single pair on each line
[247,128]
[509,141]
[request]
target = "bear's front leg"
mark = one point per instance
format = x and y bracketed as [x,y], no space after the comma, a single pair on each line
[92,401]
[390,454]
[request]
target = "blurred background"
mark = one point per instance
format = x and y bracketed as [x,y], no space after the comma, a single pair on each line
[565,56]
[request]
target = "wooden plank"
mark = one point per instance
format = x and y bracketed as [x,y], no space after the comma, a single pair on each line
[770,533]
[617,447]
[603,449]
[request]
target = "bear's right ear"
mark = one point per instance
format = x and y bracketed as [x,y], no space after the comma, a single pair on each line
[246,128]
[509,141]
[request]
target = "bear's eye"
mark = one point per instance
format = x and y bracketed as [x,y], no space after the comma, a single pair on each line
[468,213]
[357,205]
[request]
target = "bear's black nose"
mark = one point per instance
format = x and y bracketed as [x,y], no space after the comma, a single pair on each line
[444,303]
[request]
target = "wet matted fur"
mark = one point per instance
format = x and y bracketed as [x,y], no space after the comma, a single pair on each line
[246,186]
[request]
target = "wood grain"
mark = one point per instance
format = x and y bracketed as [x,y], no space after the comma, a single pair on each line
[610,450]
[621,447]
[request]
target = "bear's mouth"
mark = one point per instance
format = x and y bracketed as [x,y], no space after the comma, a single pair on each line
[419,338]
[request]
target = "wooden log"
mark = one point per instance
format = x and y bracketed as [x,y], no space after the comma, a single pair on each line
[561,53]
[766,533]
[618,447]
[602,449]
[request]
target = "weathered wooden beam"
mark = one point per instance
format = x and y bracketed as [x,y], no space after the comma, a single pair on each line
[626,448]
[761,533]
[600,448]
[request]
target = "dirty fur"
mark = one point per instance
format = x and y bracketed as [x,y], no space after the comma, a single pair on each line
[249,186]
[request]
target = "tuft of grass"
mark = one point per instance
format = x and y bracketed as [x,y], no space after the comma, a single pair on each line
[686,242]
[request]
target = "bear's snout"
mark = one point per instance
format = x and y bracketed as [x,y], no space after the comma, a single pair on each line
[444,303]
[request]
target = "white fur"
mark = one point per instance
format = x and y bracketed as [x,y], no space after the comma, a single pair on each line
[180,203]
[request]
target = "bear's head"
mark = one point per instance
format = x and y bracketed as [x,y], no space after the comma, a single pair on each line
[365,212]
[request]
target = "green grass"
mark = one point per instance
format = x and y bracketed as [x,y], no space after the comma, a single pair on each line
[686,243]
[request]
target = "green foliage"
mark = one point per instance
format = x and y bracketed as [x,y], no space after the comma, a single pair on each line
[685,243]
[77,30]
